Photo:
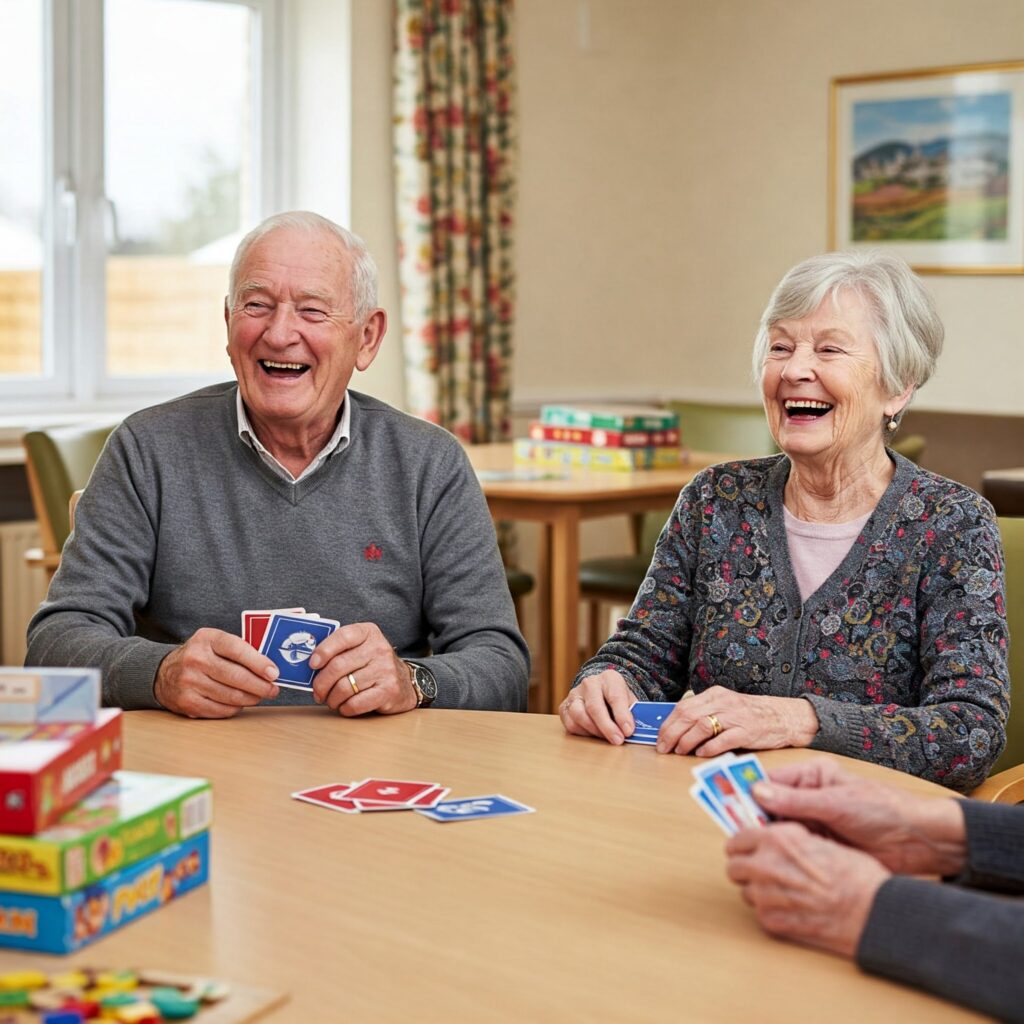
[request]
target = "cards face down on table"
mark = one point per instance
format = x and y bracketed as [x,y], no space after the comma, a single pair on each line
[288,636]
[427,798]
[723,790]
[647,718]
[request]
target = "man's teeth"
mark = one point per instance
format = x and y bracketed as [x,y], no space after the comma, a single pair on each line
[282,366]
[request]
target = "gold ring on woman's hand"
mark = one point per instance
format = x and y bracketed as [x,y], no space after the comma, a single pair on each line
[716,725]
[352,682]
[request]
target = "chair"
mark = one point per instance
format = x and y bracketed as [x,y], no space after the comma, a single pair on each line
[1005,489]
[519,584]
[58,462]
[910,447]
[1012,531]
[740,430]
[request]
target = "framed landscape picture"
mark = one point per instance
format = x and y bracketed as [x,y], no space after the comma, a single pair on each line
[929,165]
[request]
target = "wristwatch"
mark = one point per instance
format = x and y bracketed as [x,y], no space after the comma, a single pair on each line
[424,683]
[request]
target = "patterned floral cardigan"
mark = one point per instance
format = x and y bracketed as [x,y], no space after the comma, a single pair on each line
[902,651]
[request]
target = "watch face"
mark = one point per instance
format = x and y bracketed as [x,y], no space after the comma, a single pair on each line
[426,682]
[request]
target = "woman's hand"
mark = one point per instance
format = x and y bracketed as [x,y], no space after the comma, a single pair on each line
[909,835]
[803,887]
[719,719]
[599,706]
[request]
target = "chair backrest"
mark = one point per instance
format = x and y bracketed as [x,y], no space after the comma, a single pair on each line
[910,447]
[58,462]
[1012,530]
[737,429]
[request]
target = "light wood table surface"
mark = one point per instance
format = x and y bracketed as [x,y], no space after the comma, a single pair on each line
[560,505]
[609,903]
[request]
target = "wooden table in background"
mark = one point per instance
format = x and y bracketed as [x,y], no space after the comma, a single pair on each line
[560,505]
[610,903]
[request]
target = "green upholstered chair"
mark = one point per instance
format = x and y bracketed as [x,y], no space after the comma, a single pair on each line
[58,462]
[1012,530]
[740,430]
[910,447]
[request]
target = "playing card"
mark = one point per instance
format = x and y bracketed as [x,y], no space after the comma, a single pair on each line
[723,792]
[472,808]
[255,620]
[289,641]
[649,714]
[744,772]
[700,794]
[393,792]
[333,797]
[646,737]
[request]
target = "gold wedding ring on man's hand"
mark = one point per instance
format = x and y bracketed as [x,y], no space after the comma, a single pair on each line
[716,725]
[352,682]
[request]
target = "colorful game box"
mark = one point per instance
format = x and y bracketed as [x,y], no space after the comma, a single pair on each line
[610,417]
[62,924]
[48,695]
[47,769]
[551,453]
[131,816]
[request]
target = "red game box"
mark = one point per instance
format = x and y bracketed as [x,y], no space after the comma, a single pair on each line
[46,769]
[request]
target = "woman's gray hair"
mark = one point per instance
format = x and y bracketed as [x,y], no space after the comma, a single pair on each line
[364,270]
[907,330]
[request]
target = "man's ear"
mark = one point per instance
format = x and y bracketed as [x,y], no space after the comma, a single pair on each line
[373,332]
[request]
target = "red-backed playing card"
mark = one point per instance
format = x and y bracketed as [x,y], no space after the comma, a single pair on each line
[334,796]
[389,791]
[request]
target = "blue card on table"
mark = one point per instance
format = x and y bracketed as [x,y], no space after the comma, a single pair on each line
[473,807]
[288,643]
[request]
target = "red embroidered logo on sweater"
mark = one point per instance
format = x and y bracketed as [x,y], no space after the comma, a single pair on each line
[373,553]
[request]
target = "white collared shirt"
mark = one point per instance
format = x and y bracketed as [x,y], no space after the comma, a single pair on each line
[338,440]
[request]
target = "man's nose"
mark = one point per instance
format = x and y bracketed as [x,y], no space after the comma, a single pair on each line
[282,326]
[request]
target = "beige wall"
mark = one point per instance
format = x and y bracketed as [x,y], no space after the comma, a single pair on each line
[676,167]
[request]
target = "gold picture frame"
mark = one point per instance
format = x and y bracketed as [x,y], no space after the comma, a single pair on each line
[929,164]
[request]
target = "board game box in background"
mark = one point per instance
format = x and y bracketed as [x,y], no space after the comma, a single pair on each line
[625,460]
[47,769]
[600,438]
[48,695]
[62,924]
[610,417]
[130,816]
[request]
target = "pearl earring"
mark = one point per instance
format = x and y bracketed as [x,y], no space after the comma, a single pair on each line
[892,425]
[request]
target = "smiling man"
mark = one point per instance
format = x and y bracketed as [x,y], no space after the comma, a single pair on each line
[286,489]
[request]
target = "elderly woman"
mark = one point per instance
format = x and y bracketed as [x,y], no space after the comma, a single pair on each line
[835,596]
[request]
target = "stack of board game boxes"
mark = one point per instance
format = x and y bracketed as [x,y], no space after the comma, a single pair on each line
[84,847]
[609,437]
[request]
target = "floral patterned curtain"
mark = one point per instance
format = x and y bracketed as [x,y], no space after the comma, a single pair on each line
[454,149]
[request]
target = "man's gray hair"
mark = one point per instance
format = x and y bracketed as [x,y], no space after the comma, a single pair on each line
[364,270]
[907,330]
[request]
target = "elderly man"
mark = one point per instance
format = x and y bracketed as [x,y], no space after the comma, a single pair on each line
[287,489]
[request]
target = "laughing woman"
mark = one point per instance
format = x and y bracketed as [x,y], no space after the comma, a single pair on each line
[835,596]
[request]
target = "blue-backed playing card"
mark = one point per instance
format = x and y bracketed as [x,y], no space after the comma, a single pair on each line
[647,717]
[288,643]
[471,808]
[744,772]
[700,794]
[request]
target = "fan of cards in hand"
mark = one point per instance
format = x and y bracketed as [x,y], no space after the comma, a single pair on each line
[723,790]
[288,636]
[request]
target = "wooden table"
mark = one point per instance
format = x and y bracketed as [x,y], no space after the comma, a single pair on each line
[559,505]
[609,903]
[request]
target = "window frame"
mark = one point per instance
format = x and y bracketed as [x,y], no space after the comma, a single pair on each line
[77,212]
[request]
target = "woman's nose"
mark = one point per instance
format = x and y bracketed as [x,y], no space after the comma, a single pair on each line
[799,366]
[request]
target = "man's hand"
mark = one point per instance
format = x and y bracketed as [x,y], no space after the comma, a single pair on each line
[214,675]
[909,835]
[745,721]
[803,887]
[599,706]
[382,681]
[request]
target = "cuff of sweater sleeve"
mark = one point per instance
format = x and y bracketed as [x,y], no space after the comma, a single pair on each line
[842,728]
[128,682]
[595,670]
[993,846]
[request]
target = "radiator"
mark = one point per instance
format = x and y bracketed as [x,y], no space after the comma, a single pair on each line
[21,588]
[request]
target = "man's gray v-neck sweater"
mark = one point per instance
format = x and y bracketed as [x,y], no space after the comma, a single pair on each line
[183,526]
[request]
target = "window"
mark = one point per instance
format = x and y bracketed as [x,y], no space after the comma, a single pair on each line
[138,137]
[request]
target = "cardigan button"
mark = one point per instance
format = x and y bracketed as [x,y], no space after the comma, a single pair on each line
[786,667]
